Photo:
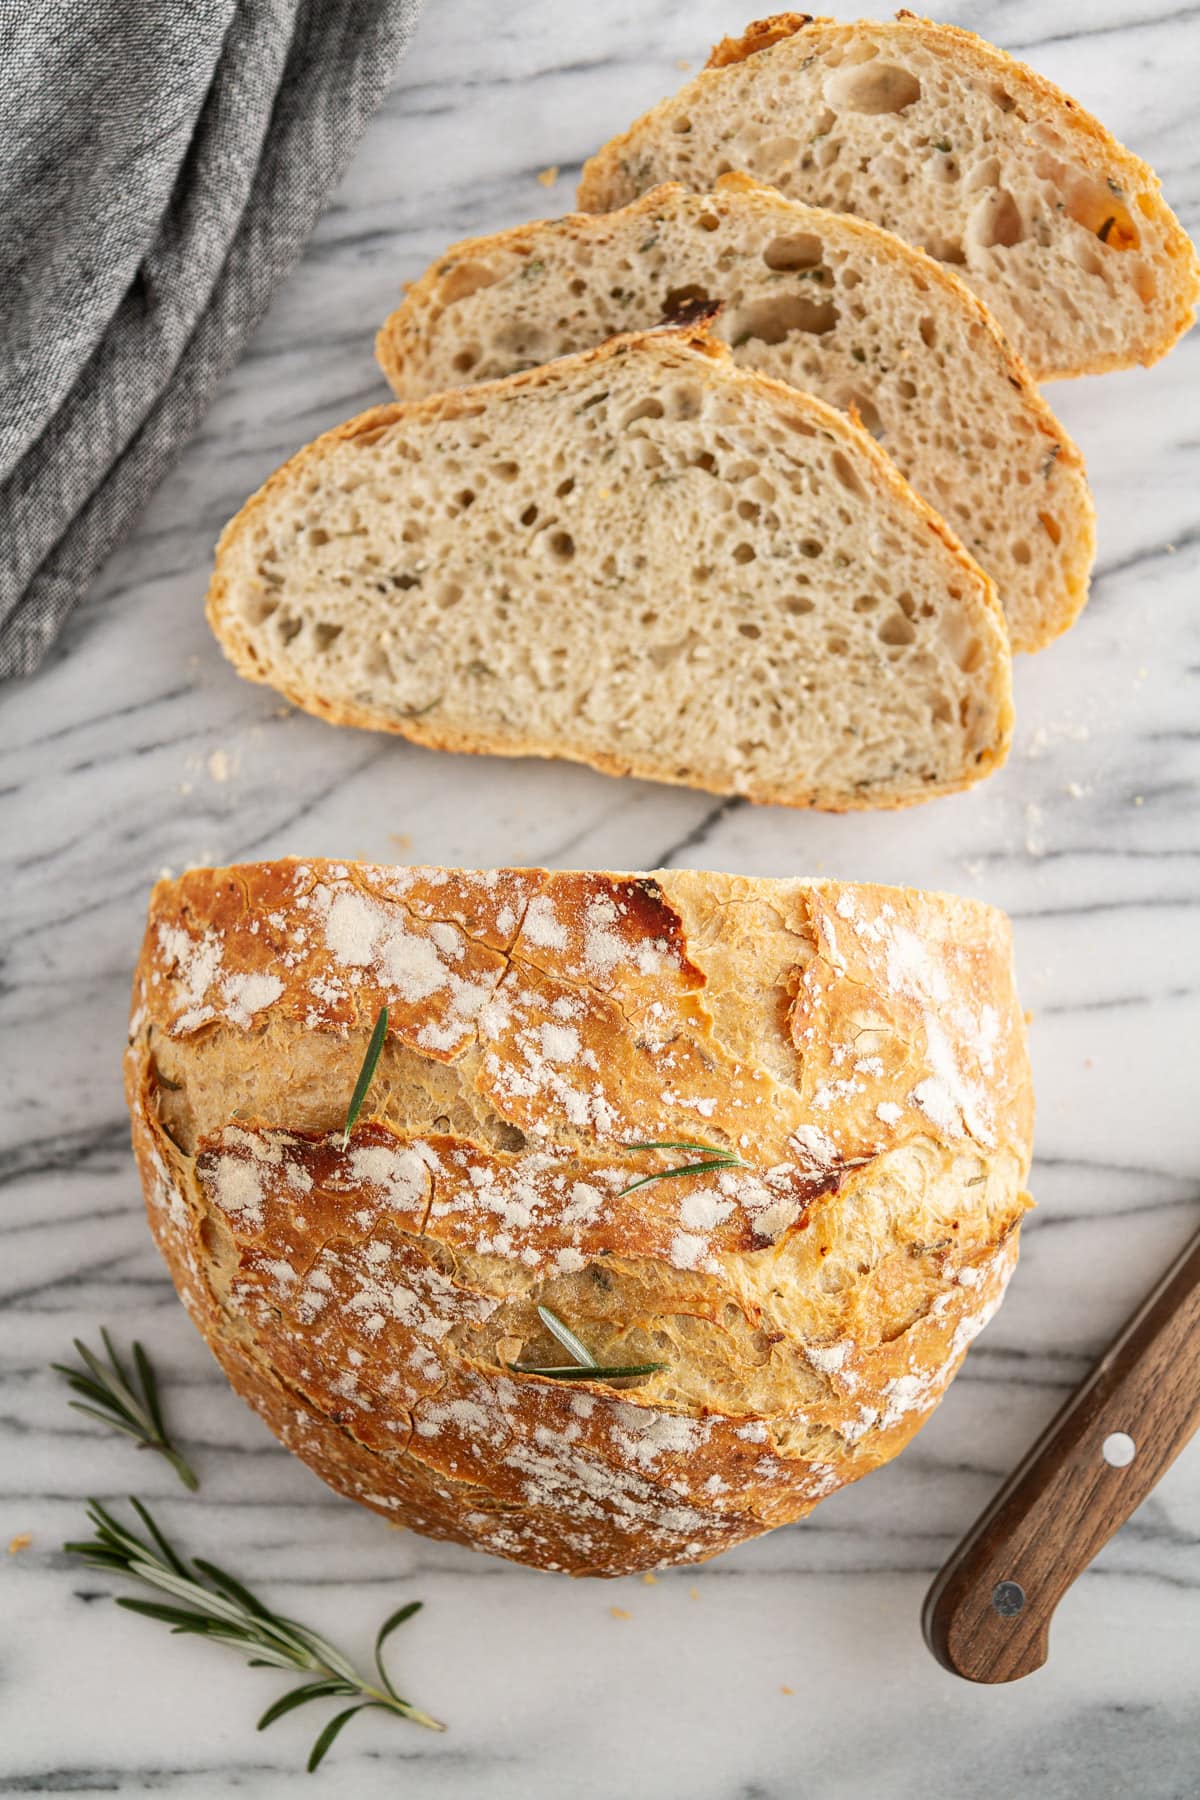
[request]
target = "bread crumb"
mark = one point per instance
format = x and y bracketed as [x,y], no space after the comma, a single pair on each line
[618,1612]
[1074,790]
[650,1579]
[685,65]
[693,1593]
[220,765]
[786,1690]
[22,1541]
[401,839]
[1035,841]
[549,176]
[1139,800]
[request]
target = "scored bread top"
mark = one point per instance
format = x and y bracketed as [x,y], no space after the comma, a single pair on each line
[859,1050]
[944,139]
[641,557]
[824,301]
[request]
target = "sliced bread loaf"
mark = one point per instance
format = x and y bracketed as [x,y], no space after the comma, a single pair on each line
[641,557]
[953,145]
[819,299]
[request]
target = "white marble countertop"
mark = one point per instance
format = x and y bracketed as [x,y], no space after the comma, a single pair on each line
[138,749]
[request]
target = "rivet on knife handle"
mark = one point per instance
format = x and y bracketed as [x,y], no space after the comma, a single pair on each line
[987,1615]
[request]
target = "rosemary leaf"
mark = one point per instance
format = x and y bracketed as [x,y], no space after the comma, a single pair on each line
[206,1601]
[700,1168]
[566,1338]
[597,1372]
[124,1402]
[366,1074]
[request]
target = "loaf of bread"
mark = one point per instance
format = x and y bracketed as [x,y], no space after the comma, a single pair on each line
[951,144]
[824,301]
[641,557]
[850,1060]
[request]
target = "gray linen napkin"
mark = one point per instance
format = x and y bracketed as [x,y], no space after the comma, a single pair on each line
[162,163]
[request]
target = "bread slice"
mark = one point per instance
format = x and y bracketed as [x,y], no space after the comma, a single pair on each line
[953,145]
[818,299]
[640,557]
[855,1055]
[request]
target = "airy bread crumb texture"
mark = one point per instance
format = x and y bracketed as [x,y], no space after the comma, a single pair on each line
[951,144]
[823,301]
[641,557]
[860,1050]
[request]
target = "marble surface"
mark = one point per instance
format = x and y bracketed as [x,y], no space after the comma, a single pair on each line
[138,749]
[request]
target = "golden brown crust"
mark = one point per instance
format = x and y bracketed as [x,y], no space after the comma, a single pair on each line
[668,341]
[399,338]
[860,1050]
[976,56]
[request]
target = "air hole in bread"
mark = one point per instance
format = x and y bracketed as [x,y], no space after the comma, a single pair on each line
[896,629]
[287,627]
[845,473]
[562,545]
[704,459]
[404,582]
[853,400]
[565,487]
[873,87]
[866,603]
[811,547]
[1021,553]
[1051,527]
[676,299]
[928,332]
[799,604]
[465,498]
[467,357]
[466,279]
[681,125]
[324,635]
[317,537]
[1099,206]
[261,608]
[771,320]
[945,250]
[645,409]
[448,595]
[507,471]
[708,222]
[529,516]
[743,552]
[801,250]
[996,222]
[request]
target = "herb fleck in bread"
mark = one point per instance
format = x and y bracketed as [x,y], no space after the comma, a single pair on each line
[641,557]
[951,144]
[826,302]
[860,1049]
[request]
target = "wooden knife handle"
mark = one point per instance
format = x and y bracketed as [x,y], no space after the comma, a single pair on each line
[987,1615]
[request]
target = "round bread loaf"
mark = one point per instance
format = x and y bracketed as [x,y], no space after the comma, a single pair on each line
[853,1056]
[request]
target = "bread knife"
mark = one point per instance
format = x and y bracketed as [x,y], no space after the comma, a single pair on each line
[987,1615]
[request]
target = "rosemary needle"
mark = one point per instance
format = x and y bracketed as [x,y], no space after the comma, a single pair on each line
[715,1158]
[123,1402]
[210,1603]
[366,1074]
[585,1367]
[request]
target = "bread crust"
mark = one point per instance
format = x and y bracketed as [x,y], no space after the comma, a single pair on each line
[859,1049]
[675,341]
[969,54]
[400,343]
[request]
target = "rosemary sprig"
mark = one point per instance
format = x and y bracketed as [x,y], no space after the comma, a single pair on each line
[366,1074]
[219,1607]
[585,1367]
[716,1158]
[125,1404]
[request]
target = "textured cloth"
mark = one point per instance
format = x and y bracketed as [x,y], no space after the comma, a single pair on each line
[161,165]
